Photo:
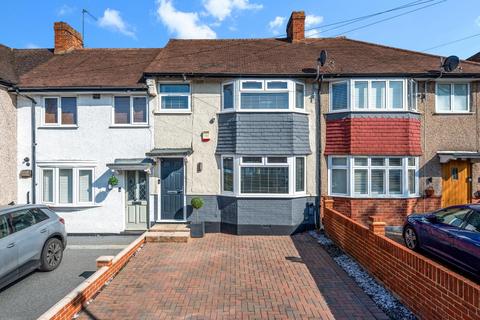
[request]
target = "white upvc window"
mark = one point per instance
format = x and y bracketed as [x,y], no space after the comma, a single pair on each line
[130,111]
[256,176]
[174,97]
[373,176]
[67,186]
[60,111]
[452,97]
[263,95]
[373,95]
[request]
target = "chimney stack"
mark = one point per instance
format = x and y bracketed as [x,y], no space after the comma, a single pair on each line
[296,26]
[66,38]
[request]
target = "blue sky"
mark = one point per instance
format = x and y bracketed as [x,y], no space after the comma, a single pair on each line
[150,23]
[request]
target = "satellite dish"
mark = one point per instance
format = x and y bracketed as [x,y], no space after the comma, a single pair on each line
[451,63]
[323,58]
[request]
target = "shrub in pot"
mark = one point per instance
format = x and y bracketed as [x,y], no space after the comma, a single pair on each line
[197,227]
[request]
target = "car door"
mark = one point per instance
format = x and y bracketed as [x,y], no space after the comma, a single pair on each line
[441,232]
[8,250]
[467,244]
[30,237]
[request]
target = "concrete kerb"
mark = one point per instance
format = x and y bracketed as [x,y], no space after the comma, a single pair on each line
[72,299]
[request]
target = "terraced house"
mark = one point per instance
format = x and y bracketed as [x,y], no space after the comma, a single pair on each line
[122,139]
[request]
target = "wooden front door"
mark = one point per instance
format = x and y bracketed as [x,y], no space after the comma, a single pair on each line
[137,193]
[456,183]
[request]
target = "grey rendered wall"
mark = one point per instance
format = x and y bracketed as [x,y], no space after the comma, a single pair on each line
[263,133]
[8,147]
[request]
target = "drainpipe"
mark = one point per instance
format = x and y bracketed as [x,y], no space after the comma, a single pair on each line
[34,143]
[318,222]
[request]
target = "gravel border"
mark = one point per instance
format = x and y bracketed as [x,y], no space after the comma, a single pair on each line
[378,293]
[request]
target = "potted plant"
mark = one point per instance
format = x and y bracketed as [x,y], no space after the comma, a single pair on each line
[429,191]
[197,228]
[112,182]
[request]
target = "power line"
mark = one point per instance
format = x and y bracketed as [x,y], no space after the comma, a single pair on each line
[452,42]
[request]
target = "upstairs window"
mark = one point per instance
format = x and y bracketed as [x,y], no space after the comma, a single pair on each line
[452,97]
[263,95]
[60,111]
[174,97]
[373,95]
[130,110]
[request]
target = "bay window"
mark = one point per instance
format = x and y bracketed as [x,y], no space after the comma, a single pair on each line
[60,111]
[373,95]
[174,97]
[452,97]
[263,175]
[263,95]
[130,110]
[360,176]
[63,186]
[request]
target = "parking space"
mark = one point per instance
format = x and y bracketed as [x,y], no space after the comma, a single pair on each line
[34,294]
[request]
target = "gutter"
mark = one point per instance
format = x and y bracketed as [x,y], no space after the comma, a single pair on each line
[309,75]
[81,89]
[34,143]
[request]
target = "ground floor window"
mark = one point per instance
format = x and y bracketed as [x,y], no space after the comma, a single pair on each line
[373,176]
[67,186]
[263,175]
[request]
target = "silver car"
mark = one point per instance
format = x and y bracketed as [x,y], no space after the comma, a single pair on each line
[31,237]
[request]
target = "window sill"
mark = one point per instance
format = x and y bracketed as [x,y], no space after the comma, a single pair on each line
[129,126]
[373,111]
[375,197]
[72,206]
[173,112]
[436,113]
[264,111]
[58,127]
[262,196]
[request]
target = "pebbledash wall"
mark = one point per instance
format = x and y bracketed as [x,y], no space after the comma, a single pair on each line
[240,215]
[8,147]
[92,143]
[421,133]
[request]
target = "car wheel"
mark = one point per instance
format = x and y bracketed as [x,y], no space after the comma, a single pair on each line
[52,255]
[410,237]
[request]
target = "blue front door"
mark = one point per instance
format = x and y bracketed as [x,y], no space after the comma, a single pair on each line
[172,189]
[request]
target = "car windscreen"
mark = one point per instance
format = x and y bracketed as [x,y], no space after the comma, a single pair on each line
[453,216]
[473,223]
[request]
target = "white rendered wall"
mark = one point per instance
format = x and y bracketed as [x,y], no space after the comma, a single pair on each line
[95,142]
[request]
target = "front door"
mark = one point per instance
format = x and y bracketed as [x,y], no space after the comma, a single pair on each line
[456,183]
[172,193]
[137,193]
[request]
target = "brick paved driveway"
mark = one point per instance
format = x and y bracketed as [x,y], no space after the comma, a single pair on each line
[231,277]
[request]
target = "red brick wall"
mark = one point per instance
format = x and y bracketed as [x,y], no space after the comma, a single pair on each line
[75,305]
[429,290]
[391,211]
[296,26]
[66,38]
[373,136]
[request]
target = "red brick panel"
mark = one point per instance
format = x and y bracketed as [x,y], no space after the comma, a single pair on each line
[392,211]
[373,136]
[430,290]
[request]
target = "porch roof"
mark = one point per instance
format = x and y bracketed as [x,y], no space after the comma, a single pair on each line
[131,164]
[165,152]
[446,156]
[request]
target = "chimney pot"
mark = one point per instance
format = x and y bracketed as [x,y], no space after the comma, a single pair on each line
[296,26]
[66,38]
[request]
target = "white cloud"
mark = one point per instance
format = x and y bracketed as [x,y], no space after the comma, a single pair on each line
[65,10]
[276,24]
[312,21]
[112,20]
[185,25]
[221,9]
[32,46]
